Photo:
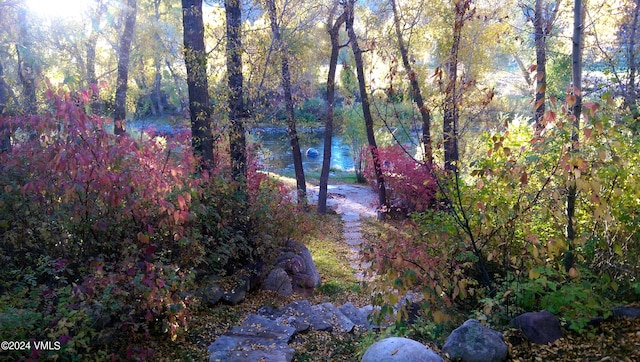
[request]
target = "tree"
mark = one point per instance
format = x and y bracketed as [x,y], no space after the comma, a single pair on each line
[27,68]
[415,87]
[195,57]
[124,51]
[349,6]
[99,7]
[5,131]
[333,28]
[575,102]
[237,112]
[544,16]
[629,34]
[285,75]
[451,114]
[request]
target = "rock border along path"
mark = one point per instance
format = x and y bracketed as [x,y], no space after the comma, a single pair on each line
[265,336]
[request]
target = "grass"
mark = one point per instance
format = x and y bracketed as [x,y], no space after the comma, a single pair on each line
[313,177]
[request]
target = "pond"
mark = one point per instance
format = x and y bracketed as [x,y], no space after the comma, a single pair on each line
[275,150]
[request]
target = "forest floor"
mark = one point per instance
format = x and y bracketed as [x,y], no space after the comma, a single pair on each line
[334,251]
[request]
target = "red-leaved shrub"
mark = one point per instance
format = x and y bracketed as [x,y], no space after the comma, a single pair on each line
[410,184]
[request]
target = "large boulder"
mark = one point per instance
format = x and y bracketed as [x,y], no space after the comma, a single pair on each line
[400,349]
[539,327]
[296,260]
[473,342]
[279,282]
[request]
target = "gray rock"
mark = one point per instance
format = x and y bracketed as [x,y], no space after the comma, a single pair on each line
[340,323]
[234,296]
[539,327]
[473,342]
[400,349]
[279,282]
[257,338]
[259,326]
[308,276]
[356,315]
[629,312]
[242,349]
[211,294]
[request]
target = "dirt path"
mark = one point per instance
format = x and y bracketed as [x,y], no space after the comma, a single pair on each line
[353,203]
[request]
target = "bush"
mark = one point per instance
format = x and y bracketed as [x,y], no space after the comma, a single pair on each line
[410,183]
[102,234]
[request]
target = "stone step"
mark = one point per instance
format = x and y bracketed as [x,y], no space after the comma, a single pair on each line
[265,335]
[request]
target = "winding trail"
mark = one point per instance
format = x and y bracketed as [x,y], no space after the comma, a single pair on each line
[353,203]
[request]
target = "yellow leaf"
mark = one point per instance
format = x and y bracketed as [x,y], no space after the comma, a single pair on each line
[534,274]
[614,286]
[439,317]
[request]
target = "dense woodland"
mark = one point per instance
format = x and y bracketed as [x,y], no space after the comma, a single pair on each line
[502,133]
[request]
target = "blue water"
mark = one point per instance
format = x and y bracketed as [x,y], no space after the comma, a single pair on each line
[275,152]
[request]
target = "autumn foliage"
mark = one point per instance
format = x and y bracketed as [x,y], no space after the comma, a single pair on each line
[410,183]
[102,233]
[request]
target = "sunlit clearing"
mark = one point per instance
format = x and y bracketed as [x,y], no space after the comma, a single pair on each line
[58,8]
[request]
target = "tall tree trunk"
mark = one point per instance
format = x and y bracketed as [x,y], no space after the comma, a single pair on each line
[415,89]
[334,36]
[301,184]
[451,113]
[5,130]
[157,80]
[631,95]
[541,62]
[237,112]
[124,51]
[92,40]
[26,64]
[366,108]
[195,58]
[576,112]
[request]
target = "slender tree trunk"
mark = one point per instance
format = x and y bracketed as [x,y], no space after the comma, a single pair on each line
[301,183]
[176,83]
[195,57]
[576,112]
[5,130]
[523,70]
[415,88]
[541,62]
[334,35]
[451,113]
[237,113]
[124,51]
[157,80]
[92,79]
[366,108]
[631,96]
[26,65]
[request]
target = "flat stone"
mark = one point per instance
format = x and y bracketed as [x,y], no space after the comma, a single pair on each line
[241,349]
[260,326]
[356,315]
[327,313]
